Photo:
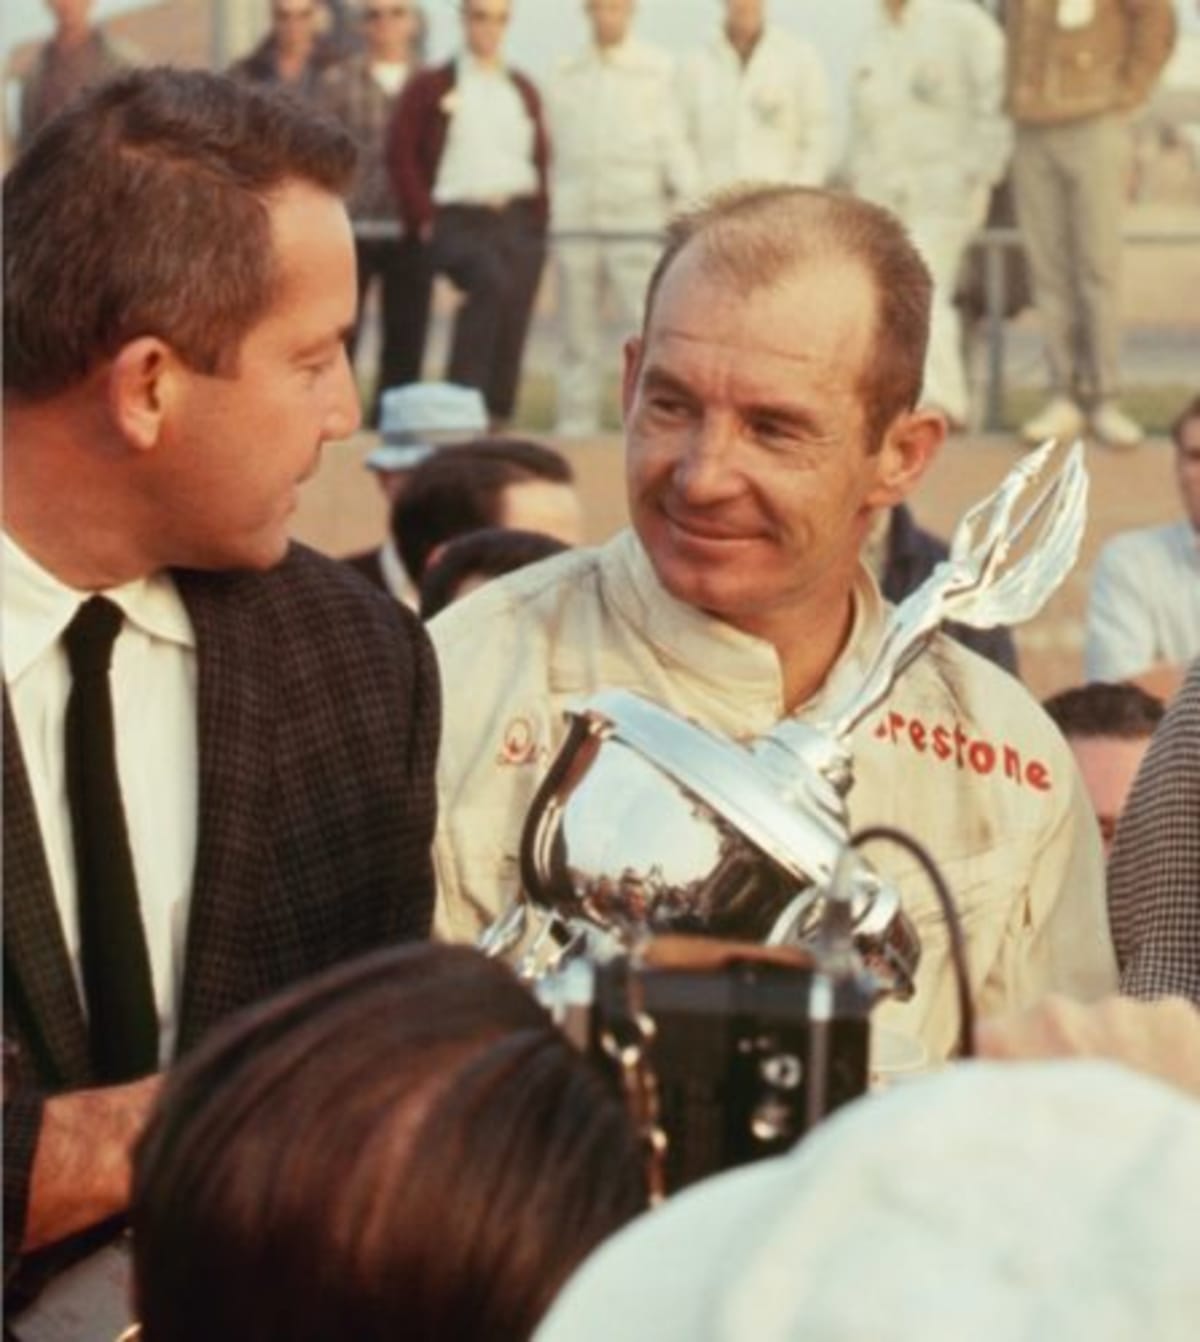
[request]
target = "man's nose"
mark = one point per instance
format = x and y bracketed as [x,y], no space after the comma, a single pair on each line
[345,413]
[709,468]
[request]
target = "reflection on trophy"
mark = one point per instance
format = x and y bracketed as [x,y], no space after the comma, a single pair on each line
[650,824]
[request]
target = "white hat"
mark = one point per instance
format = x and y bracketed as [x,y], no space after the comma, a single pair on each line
[990,1201]
[416,418]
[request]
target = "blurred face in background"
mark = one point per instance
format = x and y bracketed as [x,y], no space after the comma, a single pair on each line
[1108,766]
[610,20]
[389,27]
[485,23]
[71,17]
[544,506]
[294,25]
[743,19]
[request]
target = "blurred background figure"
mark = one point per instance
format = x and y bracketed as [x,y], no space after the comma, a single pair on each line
[361,91]
[756,103]
[901,555]
[620,160]
[928,140]
[1143,617]
[77,55]
[1108,728]
[295,50]
[470,561]
[414,421]
[1076,70]
[469,157]
[406,1147]
[488,483]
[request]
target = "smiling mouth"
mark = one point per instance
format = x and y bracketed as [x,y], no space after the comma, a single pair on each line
[704,531]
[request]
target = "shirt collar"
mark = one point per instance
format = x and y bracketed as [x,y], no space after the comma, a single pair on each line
[38,607]
[729,655]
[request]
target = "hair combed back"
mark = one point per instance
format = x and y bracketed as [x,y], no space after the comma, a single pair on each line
[753,235]
[143,210]
[405,1146]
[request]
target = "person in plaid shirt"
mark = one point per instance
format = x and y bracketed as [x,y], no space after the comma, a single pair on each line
[361,92]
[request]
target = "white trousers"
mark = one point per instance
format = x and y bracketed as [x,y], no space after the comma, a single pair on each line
[587,271]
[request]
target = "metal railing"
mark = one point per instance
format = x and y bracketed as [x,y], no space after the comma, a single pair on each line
[992,241]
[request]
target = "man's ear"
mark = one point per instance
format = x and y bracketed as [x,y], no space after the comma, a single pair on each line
[912,441]
[139,390]
[632,351]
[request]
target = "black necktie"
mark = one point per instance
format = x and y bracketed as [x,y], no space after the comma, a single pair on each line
[117,982]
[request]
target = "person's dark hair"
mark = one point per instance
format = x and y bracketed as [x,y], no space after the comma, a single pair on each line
[1105,709]
[460,489]
[405,1146]
[1189,412]
[143,210]
[490,553]
[752,235]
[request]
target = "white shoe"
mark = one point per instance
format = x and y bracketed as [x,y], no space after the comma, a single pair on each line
[1113,426]
[1060,419]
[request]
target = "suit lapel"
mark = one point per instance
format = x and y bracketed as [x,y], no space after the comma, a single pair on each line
[233,863]
[39,986]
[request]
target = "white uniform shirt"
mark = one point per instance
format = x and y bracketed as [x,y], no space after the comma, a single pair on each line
[488,156]
[153,687]
[620,153]
[768,120]
[927,96]
[961,757]
[1145,602]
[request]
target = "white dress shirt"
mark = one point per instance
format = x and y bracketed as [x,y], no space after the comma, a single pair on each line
[488,156]
[153,685]
[767,120]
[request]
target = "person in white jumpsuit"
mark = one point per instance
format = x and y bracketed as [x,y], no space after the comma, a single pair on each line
[757,105]
[928,140]
[620,162]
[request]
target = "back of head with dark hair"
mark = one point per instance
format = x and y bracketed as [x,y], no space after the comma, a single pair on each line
[1104,709]
[490,553]
[403,1147]
[143,210]
[752,235]
[461,489]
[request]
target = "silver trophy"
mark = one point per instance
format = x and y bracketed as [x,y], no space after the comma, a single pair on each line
[648,823]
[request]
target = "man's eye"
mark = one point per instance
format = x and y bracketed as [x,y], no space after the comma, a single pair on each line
[664,403]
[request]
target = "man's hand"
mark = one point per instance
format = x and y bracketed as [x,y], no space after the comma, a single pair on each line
[81,1167]
[1159,1038]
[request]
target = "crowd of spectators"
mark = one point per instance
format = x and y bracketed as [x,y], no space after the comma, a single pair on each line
[466,166]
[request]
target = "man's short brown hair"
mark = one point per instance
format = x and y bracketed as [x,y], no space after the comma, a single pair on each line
[753,235]
[143,210]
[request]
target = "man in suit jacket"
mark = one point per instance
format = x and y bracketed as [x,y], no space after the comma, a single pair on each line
[161,406]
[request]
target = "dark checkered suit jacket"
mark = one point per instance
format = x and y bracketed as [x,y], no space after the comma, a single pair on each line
[319,718]
[1154,872]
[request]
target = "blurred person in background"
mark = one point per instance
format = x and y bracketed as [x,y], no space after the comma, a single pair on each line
[468,562]
[620,161]
[405,1147]
[490,482]
[295,50]
[1077,69]
[1143,618]
[469,158]
[928,141]
[1108,727]
[361,91]
[415,421]
[756,103]
[77,55]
